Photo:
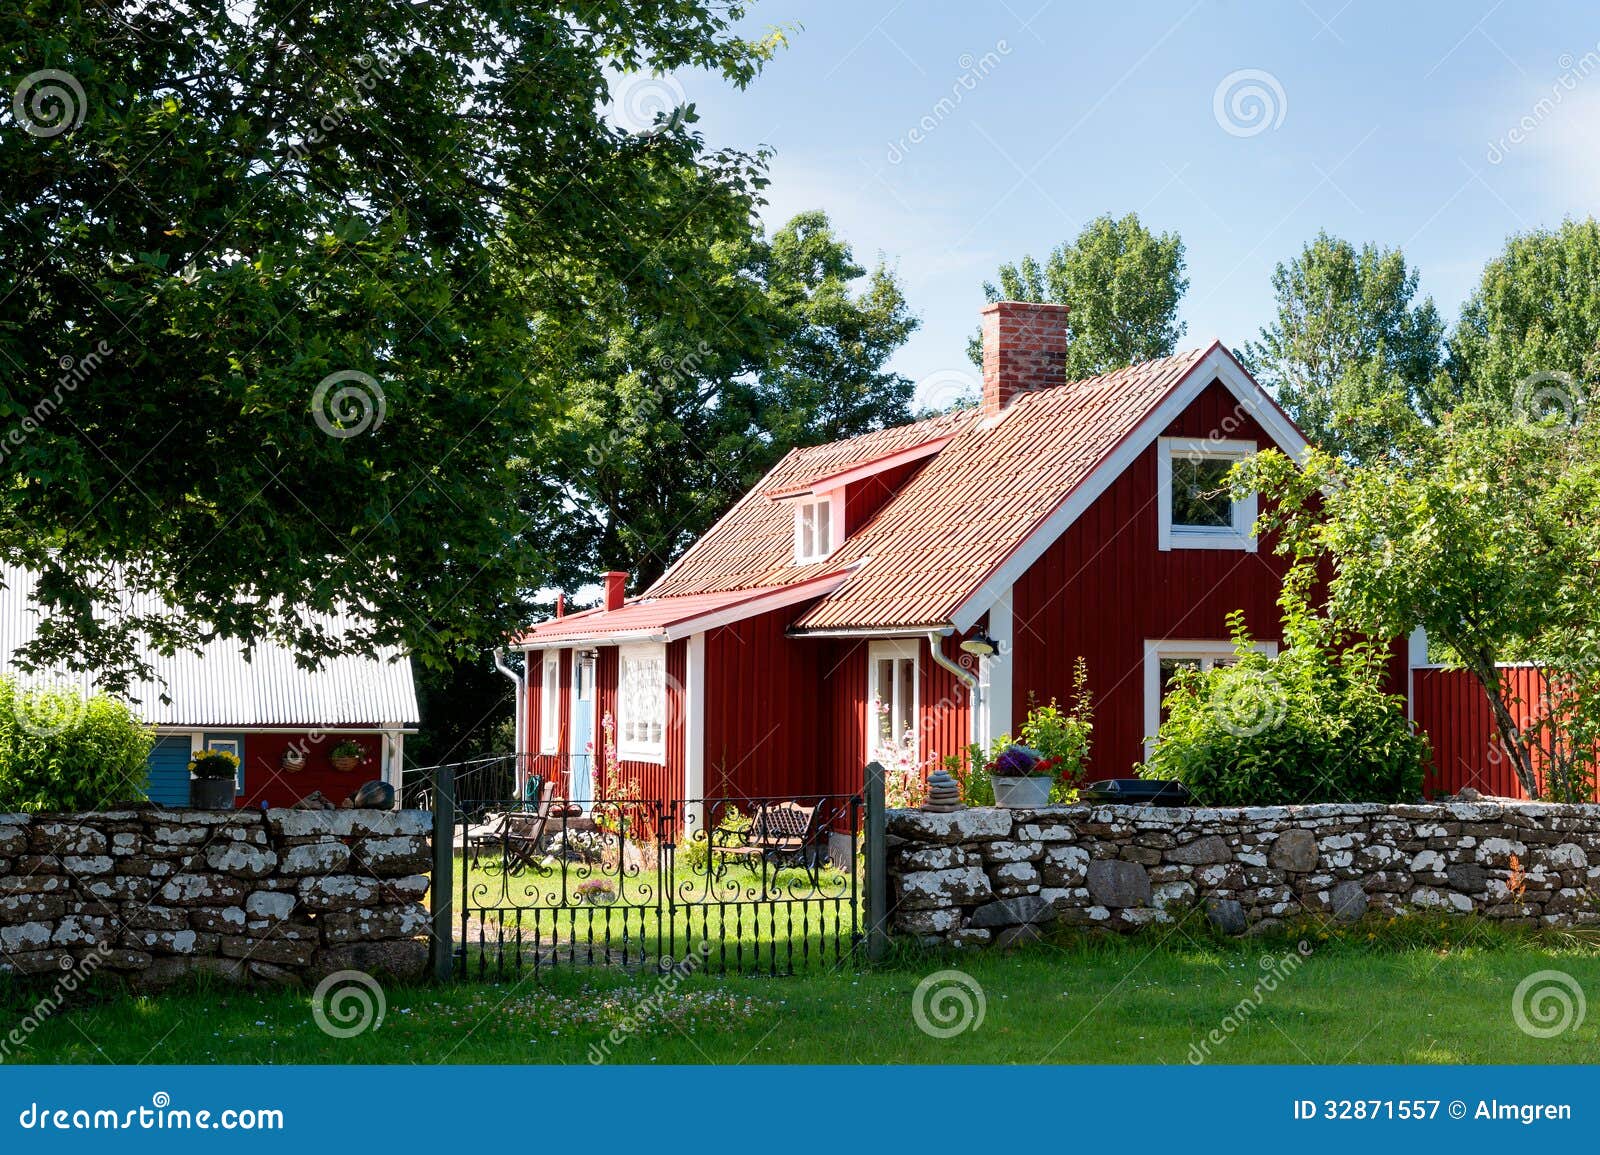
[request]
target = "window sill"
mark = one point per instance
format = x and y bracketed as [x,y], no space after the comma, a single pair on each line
[1203,539]
[656,756]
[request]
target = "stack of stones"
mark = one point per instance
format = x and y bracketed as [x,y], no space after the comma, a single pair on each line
[278,896]
[944,793]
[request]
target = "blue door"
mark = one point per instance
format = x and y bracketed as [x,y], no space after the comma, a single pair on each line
[169,771]
[580,778]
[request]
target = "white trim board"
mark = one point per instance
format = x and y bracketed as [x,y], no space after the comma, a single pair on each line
[1216,365]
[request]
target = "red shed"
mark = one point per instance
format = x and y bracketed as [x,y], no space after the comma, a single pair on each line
[820,619]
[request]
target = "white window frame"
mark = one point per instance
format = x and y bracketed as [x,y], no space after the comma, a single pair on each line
[1206,651]
[550,703]
[820,551]
[896,649]
[1170,537]
[233,746]
[634,750]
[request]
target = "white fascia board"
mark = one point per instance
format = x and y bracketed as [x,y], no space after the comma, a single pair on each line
[1217,365]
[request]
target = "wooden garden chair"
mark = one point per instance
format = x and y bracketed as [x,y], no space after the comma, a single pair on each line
[522,833]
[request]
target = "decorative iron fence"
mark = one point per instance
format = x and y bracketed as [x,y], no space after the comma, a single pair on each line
[741,885]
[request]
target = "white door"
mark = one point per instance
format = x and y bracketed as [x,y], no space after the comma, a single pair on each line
[580,774]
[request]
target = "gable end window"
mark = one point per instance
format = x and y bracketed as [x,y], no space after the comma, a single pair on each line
[642,704]
[550,703]
[1196,511]
[813,530]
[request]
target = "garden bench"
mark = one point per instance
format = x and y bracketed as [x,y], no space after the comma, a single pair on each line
[777,830]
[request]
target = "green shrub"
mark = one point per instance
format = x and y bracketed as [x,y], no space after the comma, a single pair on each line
[61,751]
[1310,725]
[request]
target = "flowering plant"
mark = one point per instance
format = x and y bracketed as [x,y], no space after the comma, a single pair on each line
[214,764]
[903,785]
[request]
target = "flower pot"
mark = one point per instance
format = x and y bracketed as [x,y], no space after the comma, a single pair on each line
[293,761]
[1022,793]
[211,793]
[344,763]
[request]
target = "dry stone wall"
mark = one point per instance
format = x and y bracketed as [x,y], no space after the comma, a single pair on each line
[992,876]
[276,896]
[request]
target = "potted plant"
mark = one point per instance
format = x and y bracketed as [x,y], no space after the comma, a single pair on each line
[346,756]
[1022,778]
[293,760]
[215,775]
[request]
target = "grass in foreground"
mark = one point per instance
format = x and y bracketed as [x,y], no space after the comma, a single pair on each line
[1434,993]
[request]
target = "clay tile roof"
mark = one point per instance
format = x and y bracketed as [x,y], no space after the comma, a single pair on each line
[933,545]
[985,493]
[753,544]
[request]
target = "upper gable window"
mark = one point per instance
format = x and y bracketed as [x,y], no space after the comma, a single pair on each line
[1196,510]
[813,530]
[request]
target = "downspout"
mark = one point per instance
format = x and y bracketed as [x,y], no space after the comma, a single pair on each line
[969,680]
[518,723]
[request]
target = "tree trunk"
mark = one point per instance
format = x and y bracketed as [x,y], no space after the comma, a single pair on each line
[1511,736]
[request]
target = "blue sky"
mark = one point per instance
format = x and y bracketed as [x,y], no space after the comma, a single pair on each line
[1389,122]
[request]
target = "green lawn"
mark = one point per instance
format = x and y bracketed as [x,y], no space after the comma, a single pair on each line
[1412,996]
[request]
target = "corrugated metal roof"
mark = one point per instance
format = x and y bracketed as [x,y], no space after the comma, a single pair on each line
[219,687]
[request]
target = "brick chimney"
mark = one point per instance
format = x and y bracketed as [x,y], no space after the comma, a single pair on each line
[616,587]
[1024,349]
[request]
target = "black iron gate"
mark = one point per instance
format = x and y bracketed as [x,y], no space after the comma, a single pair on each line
[741,885]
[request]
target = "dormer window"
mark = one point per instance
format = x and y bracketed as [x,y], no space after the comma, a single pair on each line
[813,530]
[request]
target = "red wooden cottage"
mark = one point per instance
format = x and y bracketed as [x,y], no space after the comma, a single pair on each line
[821,617]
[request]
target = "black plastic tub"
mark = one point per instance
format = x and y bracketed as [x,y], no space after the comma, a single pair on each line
[1136,792]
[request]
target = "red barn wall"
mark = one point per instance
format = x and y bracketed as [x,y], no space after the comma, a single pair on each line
[650,780]
[1104,587]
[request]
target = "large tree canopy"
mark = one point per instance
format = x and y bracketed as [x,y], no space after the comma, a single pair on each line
[280,282]
[1351,352]
[1529,337]
[669,426]
[1123,284]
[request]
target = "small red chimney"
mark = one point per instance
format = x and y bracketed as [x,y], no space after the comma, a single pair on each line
[616,587]
[1024,349]
[561,604]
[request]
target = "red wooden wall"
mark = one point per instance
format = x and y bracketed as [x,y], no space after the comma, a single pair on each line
[266,781]
[1104,588]
[1453,711]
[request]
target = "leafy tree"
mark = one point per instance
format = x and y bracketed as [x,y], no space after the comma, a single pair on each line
[281,283]
[1529,336]
[798,357]
[1123,284]
[1487,534]
[1352,354]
